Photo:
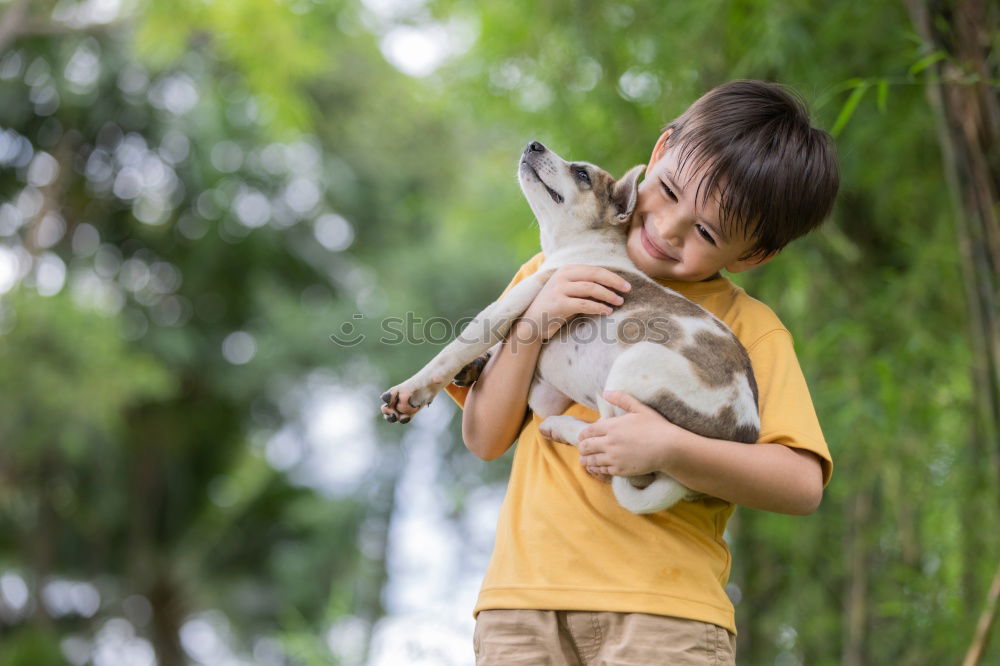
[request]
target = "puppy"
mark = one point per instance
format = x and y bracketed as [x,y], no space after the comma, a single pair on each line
[658,346]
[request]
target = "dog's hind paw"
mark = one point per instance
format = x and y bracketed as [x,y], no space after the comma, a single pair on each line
[562,429]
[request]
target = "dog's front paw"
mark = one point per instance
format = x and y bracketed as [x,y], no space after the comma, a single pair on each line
[468,375]
[403,401]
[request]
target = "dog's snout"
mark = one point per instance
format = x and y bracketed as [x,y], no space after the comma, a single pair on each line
[535,147]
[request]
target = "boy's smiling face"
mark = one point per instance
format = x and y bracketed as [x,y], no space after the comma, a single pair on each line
[673,234]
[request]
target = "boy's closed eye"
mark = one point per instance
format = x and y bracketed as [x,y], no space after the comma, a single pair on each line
[669,193]
[704,234]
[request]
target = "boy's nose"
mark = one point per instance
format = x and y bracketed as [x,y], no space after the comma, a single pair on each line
[668,231]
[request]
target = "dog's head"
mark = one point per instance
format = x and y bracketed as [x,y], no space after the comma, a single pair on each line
[572,197]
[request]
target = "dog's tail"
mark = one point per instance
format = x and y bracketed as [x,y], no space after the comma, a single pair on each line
[661,494]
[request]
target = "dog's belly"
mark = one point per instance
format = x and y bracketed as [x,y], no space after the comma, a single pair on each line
[666,351]
[577,360]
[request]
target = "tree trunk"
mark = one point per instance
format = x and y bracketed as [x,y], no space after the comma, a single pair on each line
[167,599]
[856,597]
[967,112]
[41,546]
[11,22]
[984,625]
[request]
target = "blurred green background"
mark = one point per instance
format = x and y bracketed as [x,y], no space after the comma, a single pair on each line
[196,194]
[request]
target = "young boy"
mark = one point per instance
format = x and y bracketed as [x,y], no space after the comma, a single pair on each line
[574,577]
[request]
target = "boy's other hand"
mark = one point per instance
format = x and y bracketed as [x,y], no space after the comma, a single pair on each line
[635,443]
[574,290]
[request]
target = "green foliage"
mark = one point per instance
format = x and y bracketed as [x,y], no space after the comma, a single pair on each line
[55,353]
[291,181]
[31,647]
[271,44]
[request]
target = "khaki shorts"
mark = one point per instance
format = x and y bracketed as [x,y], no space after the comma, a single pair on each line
[584,638]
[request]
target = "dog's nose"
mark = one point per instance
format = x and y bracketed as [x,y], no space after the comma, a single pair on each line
[535,147]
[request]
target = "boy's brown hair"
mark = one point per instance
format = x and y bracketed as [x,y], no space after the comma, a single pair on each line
[775,174]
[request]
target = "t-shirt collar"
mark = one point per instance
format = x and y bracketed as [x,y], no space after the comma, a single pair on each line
[717,283]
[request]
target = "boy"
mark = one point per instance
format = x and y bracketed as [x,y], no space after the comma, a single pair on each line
[575,578]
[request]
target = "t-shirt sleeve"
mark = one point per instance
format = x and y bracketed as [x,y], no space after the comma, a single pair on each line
[459,393]
[787,414]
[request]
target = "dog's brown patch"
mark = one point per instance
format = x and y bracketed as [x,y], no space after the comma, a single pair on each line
[604,210]
[653,310]
[642,481]
[721,425]
[648,295]
[715,358]
[647,325]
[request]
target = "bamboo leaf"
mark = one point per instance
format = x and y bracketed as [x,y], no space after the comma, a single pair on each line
[848,109]
[882,95]
[926,62]
[830,94]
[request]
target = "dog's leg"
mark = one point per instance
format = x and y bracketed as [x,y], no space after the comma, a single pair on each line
[488,328]
[562,429]
[546,400]
[468,375]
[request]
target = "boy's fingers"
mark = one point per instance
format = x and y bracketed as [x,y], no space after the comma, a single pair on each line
[598,474]
[609,278]
[586,306]
[593,290]
[595,460]
[593,430]
[597,274]
[624,400]
[596,463]
[613,280]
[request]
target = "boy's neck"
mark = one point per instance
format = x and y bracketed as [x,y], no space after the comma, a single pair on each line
[710,278]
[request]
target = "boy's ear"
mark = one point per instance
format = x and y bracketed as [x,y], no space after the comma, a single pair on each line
[659,148]
[753,261]
[625,193]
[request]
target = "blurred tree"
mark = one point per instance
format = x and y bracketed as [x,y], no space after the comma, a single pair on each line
[962,78]
[156,192]
[202,193]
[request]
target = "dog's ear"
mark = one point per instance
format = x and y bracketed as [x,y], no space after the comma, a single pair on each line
[624,194]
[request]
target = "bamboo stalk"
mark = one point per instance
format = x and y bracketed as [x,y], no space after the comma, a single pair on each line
[982,635]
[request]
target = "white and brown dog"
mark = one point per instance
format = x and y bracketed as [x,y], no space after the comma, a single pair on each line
[658,346]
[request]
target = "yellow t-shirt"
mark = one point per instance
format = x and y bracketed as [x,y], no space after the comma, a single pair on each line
[564,543]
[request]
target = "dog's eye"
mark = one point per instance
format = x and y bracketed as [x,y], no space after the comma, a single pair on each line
[583,175]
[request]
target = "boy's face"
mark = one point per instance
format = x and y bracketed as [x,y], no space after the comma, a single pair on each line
[672,235]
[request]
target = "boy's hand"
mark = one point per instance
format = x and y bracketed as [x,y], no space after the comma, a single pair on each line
[574,290]
[635,443]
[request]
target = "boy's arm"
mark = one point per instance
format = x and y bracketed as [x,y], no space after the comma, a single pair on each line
[770,477]
[767,476]
[496,404]
[784,472]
